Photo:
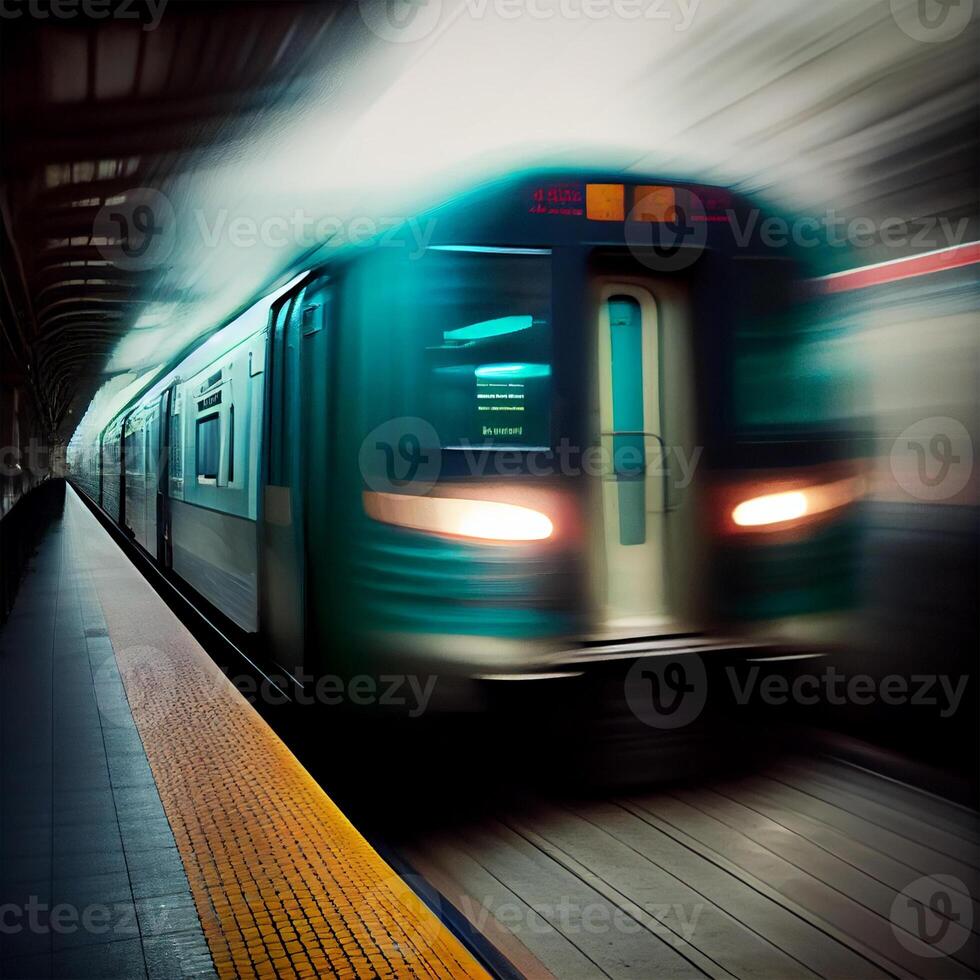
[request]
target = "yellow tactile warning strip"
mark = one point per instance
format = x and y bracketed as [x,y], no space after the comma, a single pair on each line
[284,884]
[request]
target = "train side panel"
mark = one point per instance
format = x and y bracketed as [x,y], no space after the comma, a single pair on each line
[216,423]
[135,453]
[111,463]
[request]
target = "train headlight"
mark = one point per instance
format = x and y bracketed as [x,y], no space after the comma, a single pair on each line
[773,508]
[774,511]
[485,520]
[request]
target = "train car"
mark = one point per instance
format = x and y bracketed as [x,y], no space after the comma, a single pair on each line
[561,416]
[178,469]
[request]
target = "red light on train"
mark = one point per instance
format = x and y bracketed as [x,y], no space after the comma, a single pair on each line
[565,198]
[783,503]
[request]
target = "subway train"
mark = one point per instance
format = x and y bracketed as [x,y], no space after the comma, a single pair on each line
[560,418]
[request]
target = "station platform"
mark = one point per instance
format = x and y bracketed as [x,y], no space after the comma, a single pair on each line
[153,825]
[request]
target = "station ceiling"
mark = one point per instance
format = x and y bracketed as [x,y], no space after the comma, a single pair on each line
[91,111]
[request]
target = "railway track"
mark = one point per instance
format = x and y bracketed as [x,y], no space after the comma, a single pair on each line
[807,868]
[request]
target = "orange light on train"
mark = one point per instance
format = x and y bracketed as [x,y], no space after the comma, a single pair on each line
[773,508]
[486,520]
[774,511]
[605,202]
[654,203]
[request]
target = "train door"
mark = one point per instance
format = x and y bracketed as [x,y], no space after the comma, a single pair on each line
[151,443]
[283,526]
[631,588]
[102,469]
[134,468]
[162,496]
[114,473]
[294,471]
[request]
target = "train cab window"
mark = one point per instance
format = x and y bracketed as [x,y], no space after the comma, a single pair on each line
[486,331]
[789,368]
[208,447]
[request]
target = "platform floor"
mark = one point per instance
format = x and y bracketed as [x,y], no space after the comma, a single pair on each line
[143,794]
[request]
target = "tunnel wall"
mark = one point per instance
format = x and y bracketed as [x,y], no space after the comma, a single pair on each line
[21,528]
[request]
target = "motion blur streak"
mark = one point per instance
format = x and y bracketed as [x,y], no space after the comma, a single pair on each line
[824,107]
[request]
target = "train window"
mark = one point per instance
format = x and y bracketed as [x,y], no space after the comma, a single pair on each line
[231,444]
[133,462]
[176,448]
[208,446]
[485,334]
[786,366]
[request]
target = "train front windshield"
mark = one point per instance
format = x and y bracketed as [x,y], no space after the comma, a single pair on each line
[481,350]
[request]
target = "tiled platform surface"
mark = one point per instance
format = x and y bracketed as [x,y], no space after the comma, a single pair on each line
[245,852]
[91,882]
